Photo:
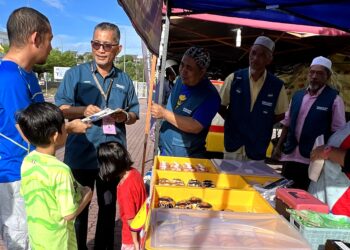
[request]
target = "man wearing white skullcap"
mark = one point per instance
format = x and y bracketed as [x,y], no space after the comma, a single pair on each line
[314,111]
[252,100]
[191,107]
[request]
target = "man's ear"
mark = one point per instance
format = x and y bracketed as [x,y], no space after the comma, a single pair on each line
[21,133]
[35,39]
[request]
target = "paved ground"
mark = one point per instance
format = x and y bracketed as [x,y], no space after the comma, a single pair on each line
[135,139]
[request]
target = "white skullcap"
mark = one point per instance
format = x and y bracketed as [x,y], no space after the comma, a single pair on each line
[266,42]
[170,63]
[325,62]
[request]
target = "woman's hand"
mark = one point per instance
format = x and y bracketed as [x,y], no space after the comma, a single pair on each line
[318,153]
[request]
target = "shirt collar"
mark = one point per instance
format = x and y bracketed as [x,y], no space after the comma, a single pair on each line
[262,77]
[94,69]
[318,91]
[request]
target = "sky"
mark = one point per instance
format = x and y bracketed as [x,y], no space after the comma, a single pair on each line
[73,22]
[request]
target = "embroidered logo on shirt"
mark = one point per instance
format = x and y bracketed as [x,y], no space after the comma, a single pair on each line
[181,100]
[269,104]
[238,90]
[187,111]
[86,81]
[119,86]
[269,95]
[322,108]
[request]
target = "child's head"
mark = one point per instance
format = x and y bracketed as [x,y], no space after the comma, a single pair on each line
[42,124]
[113,159]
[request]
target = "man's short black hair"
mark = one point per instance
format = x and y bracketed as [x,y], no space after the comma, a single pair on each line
[113,159]
[39,121]
[23,22]
[109,26]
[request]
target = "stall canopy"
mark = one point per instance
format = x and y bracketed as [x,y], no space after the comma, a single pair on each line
[146,14]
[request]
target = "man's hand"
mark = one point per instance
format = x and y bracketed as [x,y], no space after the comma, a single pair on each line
[157,111]
[90,110]
[119,116]
[77,126]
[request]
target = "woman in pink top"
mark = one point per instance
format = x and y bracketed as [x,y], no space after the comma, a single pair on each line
[115,162]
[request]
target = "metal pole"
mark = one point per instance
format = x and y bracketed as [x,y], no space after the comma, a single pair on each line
[124,47]
[164,43]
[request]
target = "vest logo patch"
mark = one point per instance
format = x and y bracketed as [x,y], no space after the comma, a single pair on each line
[187,111]
[269,95]
[269,104]
[322,108]
[119,86]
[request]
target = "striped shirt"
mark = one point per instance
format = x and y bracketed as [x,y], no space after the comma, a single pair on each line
[50,193]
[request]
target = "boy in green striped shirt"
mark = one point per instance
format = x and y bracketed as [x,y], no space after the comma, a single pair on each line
[52,196]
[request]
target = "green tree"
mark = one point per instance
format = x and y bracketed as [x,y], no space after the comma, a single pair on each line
[58,59]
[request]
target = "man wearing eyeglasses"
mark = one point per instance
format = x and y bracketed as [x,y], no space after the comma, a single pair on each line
[85,90]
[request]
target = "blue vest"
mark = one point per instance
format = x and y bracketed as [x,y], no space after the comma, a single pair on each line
[175,142]
[318,121]
[252,129]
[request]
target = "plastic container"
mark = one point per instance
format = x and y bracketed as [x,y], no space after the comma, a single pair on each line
[181,160]
[221,199]
[298,199]
[259,180]
[223,181]
[317,237]
[188,229]
[255,168]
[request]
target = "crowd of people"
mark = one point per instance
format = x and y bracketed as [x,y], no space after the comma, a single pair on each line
[48,200]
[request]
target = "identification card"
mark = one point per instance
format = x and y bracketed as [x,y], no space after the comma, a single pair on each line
[108,126]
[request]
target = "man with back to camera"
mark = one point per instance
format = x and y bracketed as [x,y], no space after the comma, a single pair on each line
[313,111]
[85,90]
[252,101]
[30,36]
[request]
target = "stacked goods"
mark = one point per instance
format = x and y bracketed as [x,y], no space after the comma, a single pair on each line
[181,189]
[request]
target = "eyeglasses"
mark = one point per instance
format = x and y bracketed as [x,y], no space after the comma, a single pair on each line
[106,46]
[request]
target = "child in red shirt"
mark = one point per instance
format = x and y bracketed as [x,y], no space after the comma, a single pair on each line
[114,161]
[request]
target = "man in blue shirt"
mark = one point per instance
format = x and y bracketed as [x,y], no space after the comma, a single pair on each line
[84,91]
[192,105]
[30,38]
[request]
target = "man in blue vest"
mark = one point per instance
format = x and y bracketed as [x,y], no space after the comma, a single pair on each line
[192,105]
[316,110]
[252,101]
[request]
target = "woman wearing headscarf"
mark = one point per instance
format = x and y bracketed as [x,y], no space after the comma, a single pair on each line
[333,185]
[192,105]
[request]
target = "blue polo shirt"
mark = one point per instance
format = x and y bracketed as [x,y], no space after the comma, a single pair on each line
[18,89]
[79,88]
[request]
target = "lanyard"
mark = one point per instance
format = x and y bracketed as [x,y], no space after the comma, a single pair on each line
[105,95]
[16,143]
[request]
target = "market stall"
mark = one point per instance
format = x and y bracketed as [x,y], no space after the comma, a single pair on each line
[217,210]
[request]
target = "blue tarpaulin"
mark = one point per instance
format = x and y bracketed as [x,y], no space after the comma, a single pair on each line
[333,14]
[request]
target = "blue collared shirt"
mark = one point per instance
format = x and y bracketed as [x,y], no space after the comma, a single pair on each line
[79,88]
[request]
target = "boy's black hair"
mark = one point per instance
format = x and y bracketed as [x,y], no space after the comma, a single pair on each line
[39,121]
[113,159]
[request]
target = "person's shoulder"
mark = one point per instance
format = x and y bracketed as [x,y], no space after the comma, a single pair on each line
[80,67]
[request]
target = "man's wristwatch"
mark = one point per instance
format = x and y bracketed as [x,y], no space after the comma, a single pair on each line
[127,116]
